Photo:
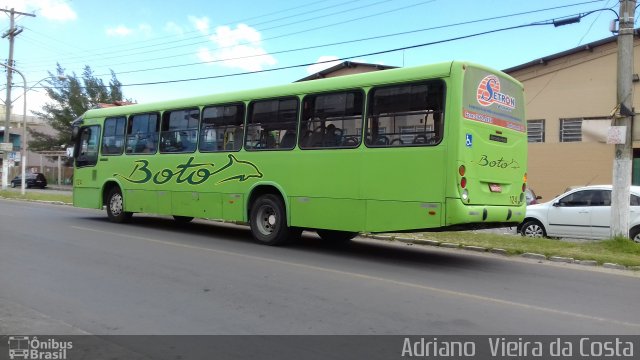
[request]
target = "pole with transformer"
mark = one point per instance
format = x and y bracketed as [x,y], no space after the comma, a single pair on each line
[623,156]
[11,34]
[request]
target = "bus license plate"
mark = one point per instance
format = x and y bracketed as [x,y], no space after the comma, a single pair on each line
[495,188]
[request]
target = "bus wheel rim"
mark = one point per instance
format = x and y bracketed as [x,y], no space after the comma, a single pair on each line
[267,220]
[116,204]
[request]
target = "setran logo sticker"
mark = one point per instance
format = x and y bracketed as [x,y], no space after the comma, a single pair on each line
[489,93]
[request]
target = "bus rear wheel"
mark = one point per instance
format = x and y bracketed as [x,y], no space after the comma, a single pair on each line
[268,221]
[115,207]
[336,236]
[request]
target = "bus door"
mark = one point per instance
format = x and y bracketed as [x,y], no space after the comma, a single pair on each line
[85,177]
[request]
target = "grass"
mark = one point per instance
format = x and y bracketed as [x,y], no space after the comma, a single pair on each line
[618,250]
[36,196]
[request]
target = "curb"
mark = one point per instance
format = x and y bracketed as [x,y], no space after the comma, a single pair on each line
[497,251]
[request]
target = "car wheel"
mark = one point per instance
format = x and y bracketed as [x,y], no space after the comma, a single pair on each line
[336,236]
[115,207]
[533,228]
[13,185]
[268,221]
[634,234]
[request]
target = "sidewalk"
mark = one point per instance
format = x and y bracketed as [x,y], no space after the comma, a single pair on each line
[60,187]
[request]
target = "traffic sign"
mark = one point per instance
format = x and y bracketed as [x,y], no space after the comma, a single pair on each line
[6,146]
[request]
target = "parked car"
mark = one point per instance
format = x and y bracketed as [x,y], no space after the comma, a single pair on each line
[531,196]
[583,212]
[31,180]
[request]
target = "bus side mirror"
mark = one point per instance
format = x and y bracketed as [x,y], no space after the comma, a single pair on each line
[75,132]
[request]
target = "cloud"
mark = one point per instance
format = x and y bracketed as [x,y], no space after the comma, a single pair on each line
[237,48]
[173,28]
[119,30]
[58,10]
[145,29]
[323,62]
[202,24]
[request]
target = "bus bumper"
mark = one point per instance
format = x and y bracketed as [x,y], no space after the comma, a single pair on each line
[482,216]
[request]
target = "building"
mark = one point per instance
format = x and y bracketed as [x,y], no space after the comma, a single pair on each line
[35,161]
[571,97]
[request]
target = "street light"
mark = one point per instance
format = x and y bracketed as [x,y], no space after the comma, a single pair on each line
[23,143]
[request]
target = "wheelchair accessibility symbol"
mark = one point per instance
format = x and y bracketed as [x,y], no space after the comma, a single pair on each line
[469,140]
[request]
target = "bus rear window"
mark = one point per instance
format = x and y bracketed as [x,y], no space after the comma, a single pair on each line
[406,115]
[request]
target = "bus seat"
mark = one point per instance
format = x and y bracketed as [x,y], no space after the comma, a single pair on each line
[288,140]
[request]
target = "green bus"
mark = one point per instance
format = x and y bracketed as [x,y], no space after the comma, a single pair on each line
[440,146]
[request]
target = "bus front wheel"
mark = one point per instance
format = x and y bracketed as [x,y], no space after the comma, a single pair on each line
[268,221]
[115,207]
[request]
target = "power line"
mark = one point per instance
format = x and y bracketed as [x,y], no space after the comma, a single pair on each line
[342,42]
[540,23]
[163,41]
[311,29]
[339,59]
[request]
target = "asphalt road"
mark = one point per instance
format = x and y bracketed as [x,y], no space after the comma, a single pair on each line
[69,271]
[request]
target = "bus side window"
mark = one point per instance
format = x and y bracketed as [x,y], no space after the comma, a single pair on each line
[113,136]
[179,131]
[332,120]
[272,124]
[142,134]
[222,128]
[406,115]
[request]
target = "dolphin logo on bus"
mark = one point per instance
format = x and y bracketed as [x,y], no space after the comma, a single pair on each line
[193,173]
[489,93]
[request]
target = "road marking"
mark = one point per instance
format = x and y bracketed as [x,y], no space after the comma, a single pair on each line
[373,278]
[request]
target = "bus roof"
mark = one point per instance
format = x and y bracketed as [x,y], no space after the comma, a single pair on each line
[341,82]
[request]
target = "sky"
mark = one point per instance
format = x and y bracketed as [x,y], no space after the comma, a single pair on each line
[162,50]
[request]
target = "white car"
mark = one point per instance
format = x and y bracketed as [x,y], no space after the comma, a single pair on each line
[583,212]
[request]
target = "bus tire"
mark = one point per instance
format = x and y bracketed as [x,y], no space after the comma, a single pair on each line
[182,219]
[268,221]
[336,236]
[115,207]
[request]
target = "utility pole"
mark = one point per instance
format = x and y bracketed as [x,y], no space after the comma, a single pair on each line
[622,163]
[11,33]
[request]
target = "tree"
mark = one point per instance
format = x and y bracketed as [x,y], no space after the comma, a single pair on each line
[72,97]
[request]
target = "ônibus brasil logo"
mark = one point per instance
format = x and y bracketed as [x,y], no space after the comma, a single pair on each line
[489,93]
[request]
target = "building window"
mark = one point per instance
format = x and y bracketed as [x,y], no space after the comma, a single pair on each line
[535,131]
[571,130]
